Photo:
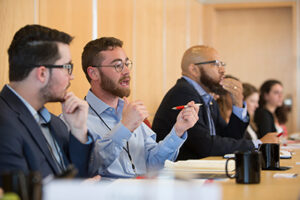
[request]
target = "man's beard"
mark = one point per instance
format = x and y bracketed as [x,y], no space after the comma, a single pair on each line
[211,84]
[47,93]
[109,86]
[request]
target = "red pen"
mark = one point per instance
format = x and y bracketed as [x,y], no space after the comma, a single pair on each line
[185,106]
[280,134]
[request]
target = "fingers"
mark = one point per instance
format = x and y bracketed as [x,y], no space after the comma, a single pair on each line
[134,114]
[232,85]
[126,102]
[235,88]
[94,179]
[140,107]
[190,112]
[71,103]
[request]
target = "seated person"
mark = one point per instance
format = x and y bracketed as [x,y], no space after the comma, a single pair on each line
[251,97]
[270,98]
[127,146]
[31,138]
[203,73]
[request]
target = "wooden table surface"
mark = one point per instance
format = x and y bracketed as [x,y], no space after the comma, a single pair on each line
[269,187]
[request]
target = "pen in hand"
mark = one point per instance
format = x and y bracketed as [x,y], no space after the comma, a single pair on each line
[280,134]
[184,106]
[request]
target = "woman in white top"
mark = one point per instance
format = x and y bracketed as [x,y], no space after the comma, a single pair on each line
[251,97]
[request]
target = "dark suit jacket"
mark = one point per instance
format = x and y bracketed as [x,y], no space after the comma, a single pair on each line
[265,122]
[200,143]
[23,146]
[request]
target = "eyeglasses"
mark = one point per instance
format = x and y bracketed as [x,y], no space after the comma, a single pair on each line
[215,62]
[119,66]
[68,66]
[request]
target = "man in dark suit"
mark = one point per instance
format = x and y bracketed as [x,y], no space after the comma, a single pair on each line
[31,138]
[203,73]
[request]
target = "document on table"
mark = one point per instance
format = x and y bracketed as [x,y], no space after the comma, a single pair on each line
[200,165]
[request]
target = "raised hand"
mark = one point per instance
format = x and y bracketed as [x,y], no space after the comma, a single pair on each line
[186,118]
[235,88]
[133,114]
[75,112]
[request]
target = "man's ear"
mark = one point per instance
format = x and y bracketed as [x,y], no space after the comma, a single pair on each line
[93,73]
[194,70]
[42,74]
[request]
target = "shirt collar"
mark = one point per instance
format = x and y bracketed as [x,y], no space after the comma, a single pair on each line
[43,112]
[206,97]
[99,105]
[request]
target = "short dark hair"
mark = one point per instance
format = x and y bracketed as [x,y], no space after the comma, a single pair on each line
[265,89]
[33,45]
[93,48]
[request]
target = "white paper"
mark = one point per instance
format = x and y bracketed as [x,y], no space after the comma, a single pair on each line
[200,165]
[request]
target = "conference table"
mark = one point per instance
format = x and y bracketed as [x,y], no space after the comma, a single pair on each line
[269,187]
[224,188]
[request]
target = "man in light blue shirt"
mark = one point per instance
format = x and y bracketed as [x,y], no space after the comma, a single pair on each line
[127,147]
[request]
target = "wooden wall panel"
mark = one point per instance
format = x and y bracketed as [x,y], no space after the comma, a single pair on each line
[256,42]
[196,23]
[75,18]
[116,20]
[176,40]
[14,14]
[148,53]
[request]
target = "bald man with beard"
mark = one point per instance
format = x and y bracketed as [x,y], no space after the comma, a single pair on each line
[203,73]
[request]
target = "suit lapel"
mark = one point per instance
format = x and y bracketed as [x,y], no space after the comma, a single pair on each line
[29,122]
[203,118]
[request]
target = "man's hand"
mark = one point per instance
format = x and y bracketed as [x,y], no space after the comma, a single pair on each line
[94,179]
[270,138]
[235,88]
[75,112]
[186,118]
[133,114]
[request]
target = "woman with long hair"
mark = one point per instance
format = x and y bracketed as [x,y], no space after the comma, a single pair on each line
[271,97]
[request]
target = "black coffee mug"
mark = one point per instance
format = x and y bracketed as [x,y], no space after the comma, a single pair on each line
[270,156]
[247,167]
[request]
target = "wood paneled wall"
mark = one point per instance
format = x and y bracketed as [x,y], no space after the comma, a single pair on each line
[256,40]
[155,35]
[13,15]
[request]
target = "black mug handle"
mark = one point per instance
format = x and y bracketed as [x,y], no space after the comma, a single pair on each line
[226,168]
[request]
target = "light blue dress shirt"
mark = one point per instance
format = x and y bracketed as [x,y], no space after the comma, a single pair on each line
[111,136]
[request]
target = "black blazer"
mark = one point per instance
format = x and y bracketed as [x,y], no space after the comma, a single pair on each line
[23,146]
[200,144]
[265,122]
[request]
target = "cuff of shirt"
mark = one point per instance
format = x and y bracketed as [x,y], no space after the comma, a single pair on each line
[90,140]
[120,133]
[173,141]
[241,113]
[256,143]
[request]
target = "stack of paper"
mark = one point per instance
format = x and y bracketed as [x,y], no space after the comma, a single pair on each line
[200,165]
